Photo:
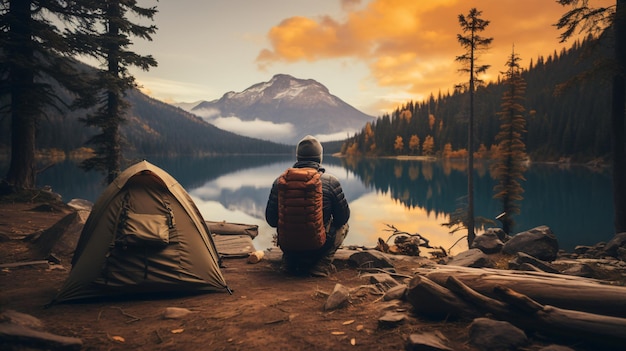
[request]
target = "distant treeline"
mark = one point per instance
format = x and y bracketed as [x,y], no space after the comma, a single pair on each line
[153,128]
[563,120]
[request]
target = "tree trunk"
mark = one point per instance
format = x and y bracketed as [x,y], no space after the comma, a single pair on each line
[563,291]
[618,116]
[21,173]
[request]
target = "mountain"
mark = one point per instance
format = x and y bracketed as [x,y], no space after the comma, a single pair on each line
[152,128]
[284,109]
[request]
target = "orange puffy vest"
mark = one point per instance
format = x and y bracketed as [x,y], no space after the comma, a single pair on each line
[300,210]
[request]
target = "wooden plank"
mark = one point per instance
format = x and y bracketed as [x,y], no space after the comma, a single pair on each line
[234,246]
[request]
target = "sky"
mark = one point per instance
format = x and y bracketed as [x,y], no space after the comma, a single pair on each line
[374,54]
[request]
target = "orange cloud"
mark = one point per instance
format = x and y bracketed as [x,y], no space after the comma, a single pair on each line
[412,44]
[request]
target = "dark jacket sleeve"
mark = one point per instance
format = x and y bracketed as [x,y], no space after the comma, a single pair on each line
[335,203]
[271,209]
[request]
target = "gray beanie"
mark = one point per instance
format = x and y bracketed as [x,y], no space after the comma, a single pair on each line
[309,148]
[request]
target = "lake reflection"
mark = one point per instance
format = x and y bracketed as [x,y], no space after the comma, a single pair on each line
[412,195]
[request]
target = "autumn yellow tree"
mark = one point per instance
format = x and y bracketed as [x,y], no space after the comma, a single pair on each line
[428,146]
[406,115]
[399,144]
[414,144]
[368,134]
[431,121]
[447,150]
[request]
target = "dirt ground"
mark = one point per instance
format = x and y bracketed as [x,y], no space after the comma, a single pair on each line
[267,310]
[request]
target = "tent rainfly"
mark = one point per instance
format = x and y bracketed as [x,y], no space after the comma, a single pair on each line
[144,235]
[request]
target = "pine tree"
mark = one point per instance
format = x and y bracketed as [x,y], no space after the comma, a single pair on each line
[111,47]
[34,54]
[595,20]
[473,43]
[509,167]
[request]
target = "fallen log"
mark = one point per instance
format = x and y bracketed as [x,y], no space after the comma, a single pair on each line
[434,301]
[518,309]
[23,337]
[573,325]
[567,292]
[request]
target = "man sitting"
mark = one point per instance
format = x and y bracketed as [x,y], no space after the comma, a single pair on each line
[309,231]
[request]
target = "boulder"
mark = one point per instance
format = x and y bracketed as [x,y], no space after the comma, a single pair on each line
[538,242]
[391,319]
[474,258]
[395,293]
[488,334]
[489,242]
[370,259]
[613,246]
[337,298]
[523,258]
[434,341]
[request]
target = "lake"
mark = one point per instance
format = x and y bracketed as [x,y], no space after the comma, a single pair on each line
[414,196]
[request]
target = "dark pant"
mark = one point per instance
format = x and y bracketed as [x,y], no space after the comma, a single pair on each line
[303,260]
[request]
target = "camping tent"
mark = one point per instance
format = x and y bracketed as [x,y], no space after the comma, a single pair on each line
[144,235]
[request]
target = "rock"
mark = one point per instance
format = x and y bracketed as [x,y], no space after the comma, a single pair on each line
[490,335]
[523,258]
[391,319]
[538,242]
[337,298]
[434,341]
[62,237]
[488,242]
[175,312]
[22,319]
[499,232]
[395,293]
[392,305]
[582,249]
[618,241]
[370,259]
[621,254]
[383,280]
[474,258]
[580,269]
[81,204]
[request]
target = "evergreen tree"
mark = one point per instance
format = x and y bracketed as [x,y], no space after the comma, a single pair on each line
[473,43]
[509,167]
[595,19]
[34,53]
[111,47]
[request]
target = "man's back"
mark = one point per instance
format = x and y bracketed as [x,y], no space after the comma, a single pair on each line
[292,223]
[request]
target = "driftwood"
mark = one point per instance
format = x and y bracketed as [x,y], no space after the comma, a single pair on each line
[528,314]
[572,324]
[28,338]
[567,292]
[434,301]
[453,298]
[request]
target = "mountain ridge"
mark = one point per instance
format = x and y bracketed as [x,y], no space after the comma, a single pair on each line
[301,106]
